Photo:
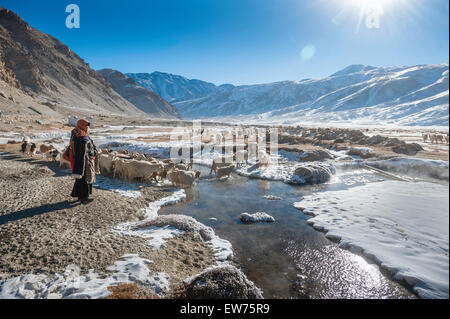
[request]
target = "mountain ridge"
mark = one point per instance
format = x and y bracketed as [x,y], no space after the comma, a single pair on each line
[144,99]
[407,95]
[48,71]
[174,87]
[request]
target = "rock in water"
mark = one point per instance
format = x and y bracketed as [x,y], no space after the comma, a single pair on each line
[314,173]
[256,217]
[221,282]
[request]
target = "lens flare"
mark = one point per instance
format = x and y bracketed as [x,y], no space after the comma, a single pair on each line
[308,52]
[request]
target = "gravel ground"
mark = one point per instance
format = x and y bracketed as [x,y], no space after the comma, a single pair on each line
[42,231]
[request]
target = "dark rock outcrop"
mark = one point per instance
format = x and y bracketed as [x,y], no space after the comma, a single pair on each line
[45,67]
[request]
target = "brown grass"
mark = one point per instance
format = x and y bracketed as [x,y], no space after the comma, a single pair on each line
[130,291]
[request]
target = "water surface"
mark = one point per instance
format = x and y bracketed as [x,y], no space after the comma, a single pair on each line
[288,258]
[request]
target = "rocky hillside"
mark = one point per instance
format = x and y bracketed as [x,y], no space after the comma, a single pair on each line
[175,87]
[51,74]
[144,99]
[410,95]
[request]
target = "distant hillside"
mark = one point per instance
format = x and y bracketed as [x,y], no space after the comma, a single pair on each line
[175,87]
[35,65]
[409,95]
[144,99]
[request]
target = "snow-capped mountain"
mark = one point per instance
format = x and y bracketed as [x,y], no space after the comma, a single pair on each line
[409,95]
[175,87]
[144,99]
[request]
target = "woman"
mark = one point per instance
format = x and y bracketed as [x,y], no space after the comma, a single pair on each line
[83,153]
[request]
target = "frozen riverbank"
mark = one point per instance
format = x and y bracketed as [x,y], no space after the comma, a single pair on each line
[402,226]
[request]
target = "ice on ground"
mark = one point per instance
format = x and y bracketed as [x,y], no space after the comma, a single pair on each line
[160,228]
[403,226]
[121,187]
[415,167]
[222,248]
[152,209]
[256,218]
[157,235]
[128,269]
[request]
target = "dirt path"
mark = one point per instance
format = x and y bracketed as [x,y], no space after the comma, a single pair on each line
[41,231]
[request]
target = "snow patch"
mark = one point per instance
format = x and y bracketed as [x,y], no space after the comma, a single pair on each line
[129,268]
[408,235]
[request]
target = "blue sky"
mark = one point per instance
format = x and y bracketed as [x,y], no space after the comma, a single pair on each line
[245,41]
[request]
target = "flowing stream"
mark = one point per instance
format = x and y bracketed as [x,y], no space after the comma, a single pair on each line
[287,258]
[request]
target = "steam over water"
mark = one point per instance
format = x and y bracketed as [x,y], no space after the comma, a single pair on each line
[287,258]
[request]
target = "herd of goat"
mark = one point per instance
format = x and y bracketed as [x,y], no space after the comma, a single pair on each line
[435,138]
[133,166]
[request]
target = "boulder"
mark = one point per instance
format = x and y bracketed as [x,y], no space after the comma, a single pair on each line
[220,282]
[361,152]
[376,139]
[314,173]
[393,142]
[408,149]
[315,155]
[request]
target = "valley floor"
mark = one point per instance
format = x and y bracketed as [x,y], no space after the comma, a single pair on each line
[42,232]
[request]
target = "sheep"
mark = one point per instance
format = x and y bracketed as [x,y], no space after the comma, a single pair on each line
[225,171]
[221,162]
[119,167]
[52,154]
[23,147]
[181,167]
[182,178]
[141,170]
[161,174]
[139,157]
[30,149]
[173,176]
[433,138]
[106,163]
[168,166]
[241,157]
[263,158]
[44,148]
